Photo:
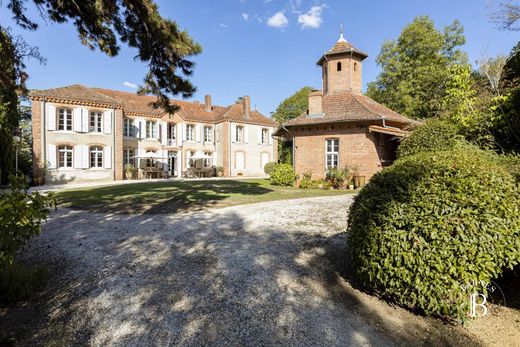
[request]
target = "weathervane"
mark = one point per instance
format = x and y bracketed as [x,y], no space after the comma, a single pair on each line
[341,38]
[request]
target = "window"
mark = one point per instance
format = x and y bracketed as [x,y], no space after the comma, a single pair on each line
[96,156]
[240,161]
[128,127]
[64,119]
[239,134]
[189,161]
[339,66]
[265,136]
[96,119]
[65,156]
[208,134]
[207,162]
[151,162]
[172,131]
[151,129]
[128,157]
[190,132]
[332,153]
[355,66]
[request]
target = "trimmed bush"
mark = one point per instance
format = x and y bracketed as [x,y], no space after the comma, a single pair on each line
[269,167]
[282,175]
[308,183]
[424,228]
[434,135]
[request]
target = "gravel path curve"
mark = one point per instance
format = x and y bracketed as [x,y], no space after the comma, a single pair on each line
[261,274]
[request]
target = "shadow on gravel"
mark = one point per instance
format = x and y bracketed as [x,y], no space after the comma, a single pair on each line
[207,279]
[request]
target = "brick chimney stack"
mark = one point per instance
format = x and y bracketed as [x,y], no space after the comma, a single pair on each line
[207,102]
[246,101]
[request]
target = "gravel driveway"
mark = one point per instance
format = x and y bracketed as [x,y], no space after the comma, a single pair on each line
[262,274]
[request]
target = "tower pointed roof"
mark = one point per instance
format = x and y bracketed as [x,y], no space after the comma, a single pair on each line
[342,46]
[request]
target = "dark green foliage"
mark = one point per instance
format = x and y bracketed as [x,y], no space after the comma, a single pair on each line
[21,216]
[434,135]
[426,226]
[512,163]
[137,23]
[269,167]
[282,175]
[293,106]
[415,68]
[19,282]
[285,152]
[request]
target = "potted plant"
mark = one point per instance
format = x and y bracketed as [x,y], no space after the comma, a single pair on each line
[130,171]
[359,181]
[220,171]
[351,184]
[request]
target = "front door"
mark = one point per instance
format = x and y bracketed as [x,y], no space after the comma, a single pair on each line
[172,163]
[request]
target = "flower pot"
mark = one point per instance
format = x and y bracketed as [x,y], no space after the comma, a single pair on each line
[129,175]
[351,187]
[359,181]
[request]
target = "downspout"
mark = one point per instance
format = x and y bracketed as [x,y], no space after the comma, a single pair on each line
[114,143]
[43,134]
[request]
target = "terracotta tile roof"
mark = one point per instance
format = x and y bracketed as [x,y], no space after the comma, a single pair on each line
[75,92]
[235,113]
[342,46]
[349,107]
[140,105]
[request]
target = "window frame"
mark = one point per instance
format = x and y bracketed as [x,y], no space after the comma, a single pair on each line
[95,119]
[67,115]
[333,153]
[151,129]
[209,132]
[265,140]
[128,157]
[128,127]
[97,159]
[239,134]
[66,150]
[206,162]
[172,131]
[338,66]
[190,132]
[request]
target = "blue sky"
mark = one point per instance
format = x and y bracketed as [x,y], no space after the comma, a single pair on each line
[263,48]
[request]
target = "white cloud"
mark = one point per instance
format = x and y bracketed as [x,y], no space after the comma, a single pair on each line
[245,16]
[223,25]
[311,19]
[130,85]
[278,20]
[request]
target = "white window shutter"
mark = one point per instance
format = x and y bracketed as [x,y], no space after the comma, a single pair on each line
[180,133]
[50,114]
[233,132]
[51,156]
[259,136]
[84,120]
[107,157]
[107,122]
[197,129]
[77,157]
[76,119]
[246,134]
[164,133]
[269,136]
[183,132]
[85,157]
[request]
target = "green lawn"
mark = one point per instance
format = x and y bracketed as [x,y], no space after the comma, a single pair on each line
[173,196]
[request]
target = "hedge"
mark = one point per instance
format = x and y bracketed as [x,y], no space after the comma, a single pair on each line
[423,228]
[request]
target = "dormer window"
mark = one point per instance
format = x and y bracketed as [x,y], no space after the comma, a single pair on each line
[339,66]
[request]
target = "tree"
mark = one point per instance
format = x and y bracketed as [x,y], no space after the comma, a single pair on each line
[415,68]
[507,17]
[101,24]
[293,106]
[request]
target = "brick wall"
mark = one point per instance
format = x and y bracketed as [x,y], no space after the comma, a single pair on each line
[348,79]
[37,155]
[118,146]
[357,146]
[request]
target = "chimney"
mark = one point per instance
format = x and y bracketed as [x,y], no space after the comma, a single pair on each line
[207,102]
[246,101]
[315,103]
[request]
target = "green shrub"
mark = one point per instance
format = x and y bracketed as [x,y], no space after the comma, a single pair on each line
[269,167]
[282,175]
[308,183]
[512,163]
[21,215]
[423,228]
[434,135]
[337,177]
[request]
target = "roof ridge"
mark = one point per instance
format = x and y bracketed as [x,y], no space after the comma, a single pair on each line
[371,112]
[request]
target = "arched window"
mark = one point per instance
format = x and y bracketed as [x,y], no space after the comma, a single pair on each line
[355,66]
[65,156]
[96,156]
[339,66]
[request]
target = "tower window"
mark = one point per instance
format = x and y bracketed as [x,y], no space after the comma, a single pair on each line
[339,66]
[355,66]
